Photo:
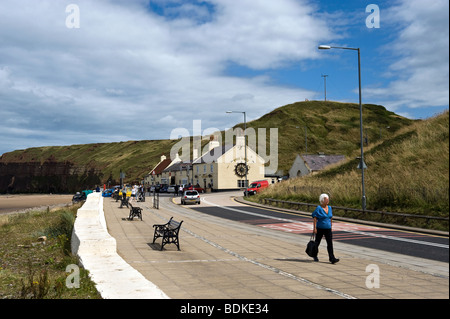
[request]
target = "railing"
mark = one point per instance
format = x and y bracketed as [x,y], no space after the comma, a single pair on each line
[400,218]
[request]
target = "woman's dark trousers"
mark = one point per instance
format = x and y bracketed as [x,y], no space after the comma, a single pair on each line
[329,238]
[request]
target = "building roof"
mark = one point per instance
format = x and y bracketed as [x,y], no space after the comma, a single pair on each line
[213,155]
[179,166]
[161,166]
[320,161]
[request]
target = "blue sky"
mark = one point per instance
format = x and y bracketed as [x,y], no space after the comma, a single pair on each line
[121,70]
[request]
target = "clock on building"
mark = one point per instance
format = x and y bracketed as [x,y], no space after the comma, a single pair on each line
[240,169]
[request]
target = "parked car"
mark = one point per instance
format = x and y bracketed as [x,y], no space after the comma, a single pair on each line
[107,192]
[171,189]
[156,188]
[196,188]
[78,197]
[191,196]
[256,187]
[86,192]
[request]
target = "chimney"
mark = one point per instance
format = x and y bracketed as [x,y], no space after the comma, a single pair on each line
[213,143]
[163,157]
[194,154]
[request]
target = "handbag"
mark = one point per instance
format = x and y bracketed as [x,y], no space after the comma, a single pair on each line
[312,249]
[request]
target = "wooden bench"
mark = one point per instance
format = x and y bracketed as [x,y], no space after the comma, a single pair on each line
[135,212]
[140,197]
[169,233]
[124,202]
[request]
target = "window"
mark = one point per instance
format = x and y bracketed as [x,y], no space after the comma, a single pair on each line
[204,168]
[241,183]
[212,168]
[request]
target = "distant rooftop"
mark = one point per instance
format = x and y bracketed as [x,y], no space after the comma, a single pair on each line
[318,162]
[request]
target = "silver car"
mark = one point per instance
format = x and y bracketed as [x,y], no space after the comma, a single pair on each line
[190,197]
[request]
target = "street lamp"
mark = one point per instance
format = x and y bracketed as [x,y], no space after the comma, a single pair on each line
[245,146]
[362,164]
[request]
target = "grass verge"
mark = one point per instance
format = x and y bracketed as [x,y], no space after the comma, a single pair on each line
[407,173]
[35,254]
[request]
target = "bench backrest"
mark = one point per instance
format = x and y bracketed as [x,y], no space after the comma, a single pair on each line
[173,224]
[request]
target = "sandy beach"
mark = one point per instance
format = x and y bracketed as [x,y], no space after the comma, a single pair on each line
[13,203]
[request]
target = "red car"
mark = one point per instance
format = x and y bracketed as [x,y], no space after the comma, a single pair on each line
[196,188]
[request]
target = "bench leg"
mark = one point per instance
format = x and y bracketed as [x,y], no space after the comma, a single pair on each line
[166,240]
[155,236]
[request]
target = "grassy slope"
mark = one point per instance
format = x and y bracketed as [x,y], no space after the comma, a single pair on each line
[333,127]
[406,172]
[30,269]
[135,158]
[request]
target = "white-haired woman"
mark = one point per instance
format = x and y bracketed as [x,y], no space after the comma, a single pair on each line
[323,221]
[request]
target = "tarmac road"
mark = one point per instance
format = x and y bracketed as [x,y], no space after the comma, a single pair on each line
[409,243]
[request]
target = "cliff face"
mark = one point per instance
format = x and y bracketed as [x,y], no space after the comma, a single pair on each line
[46,177]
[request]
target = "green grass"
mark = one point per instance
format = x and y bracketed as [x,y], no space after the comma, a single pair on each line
[407,172]
[333,127]
[105,160]
[31,269]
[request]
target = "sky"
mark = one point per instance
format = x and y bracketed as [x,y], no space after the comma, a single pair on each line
[85,71]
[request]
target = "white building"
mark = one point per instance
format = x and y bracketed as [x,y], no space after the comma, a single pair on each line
[222,167]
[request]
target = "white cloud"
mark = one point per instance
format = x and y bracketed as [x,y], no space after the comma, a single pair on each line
[126,67]
[420,71]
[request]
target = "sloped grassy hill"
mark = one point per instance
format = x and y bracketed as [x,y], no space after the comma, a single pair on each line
[332,127]
[407,172]
[67,169]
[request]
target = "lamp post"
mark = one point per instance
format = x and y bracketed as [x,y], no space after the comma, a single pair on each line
[245,146]
[362,164]
[325,85]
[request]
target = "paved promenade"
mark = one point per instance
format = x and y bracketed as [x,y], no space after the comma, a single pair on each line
[222,259]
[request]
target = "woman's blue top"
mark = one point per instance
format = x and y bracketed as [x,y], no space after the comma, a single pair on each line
[323,219]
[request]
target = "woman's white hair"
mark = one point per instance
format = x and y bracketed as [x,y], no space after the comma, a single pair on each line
[322,197]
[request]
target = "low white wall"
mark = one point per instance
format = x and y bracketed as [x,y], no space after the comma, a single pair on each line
[97,251]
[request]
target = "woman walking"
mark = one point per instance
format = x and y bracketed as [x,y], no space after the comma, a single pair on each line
[323,216]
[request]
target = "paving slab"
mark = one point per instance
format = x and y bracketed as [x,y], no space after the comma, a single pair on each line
[223,259]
